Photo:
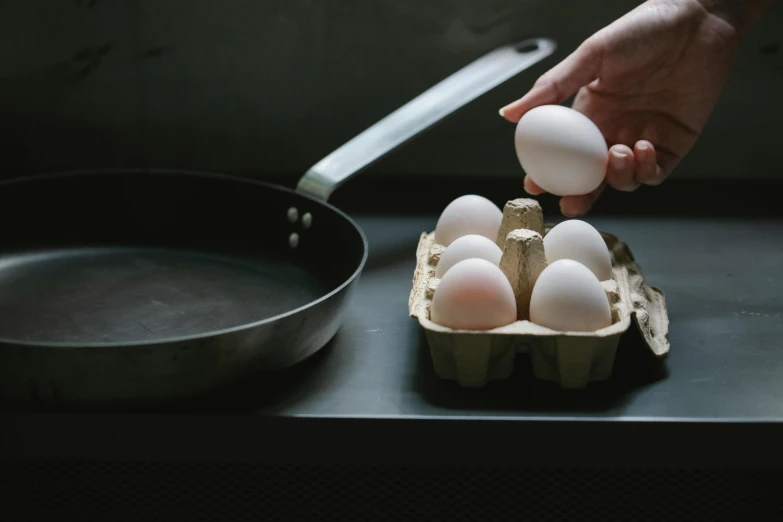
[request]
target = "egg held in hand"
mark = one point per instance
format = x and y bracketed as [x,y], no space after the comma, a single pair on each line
[466,247]
[473,295]
[578,240]
[561,150]
[469,214]
[568,297]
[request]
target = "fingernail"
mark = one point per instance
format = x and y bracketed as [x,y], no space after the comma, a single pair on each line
[643,146]
[618,160]
[502,112]
[565,212]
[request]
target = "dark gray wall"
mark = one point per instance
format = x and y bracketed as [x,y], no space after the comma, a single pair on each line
[272,86]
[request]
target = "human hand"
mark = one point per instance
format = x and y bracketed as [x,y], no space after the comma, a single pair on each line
[649,81]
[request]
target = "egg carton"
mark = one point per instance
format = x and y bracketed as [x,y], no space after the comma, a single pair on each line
[570,359]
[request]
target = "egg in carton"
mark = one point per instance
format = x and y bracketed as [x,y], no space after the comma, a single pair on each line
[571,359]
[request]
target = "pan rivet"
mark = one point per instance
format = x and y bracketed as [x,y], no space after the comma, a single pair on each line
[307,220]
[293,240]
[293,214]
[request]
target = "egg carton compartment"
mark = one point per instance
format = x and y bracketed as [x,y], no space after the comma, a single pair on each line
[570,359]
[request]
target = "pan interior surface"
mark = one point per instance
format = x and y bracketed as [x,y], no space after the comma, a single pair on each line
[129,257]
[109,295]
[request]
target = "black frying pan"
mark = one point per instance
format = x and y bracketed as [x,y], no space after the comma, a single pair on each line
[142,286]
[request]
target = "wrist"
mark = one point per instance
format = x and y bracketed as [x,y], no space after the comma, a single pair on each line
[741,15]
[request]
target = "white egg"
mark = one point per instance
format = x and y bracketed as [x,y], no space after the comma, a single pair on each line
[466,247]
[580,241]
[567,297]
[474,295]
[470,214]
[561,150]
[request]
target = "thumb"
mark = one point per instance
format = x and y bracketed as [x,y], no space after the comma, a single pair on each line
[564,79]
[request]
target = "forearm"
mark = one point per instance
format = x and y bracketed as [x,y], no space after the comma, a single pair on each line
[740,14]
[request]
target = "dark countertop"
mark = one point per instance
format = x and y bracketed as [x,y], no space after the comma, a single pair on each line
[722,282]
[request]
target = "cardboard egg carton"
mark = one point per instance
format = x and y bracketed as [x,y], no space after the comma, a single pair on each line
[570,359]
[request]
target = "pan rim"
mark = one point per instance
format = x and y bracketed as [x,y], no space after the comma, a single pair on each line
[213,333]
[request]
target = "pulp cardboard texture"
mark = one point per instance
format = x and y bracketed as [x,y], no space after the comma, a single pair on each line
[570,359]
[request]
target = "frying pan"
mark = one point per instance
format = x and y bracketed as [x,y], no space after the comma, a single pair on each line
[145,286]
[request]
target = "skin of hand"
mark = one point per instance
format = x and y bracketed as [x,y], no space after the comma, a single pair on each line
[649,81]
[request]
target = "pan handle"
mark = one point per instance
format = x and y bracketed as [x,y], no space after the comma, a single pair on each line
[431,106]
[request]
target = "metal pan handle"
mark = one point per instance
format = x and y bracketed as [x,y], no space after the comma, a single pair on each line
[431,106]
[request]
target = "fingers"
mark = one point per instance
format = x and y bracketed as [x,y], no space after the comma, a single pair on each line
[531,187]
[569,205]
[559,83]
[626,170]
[573,206]
[620,168]
[648,171]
